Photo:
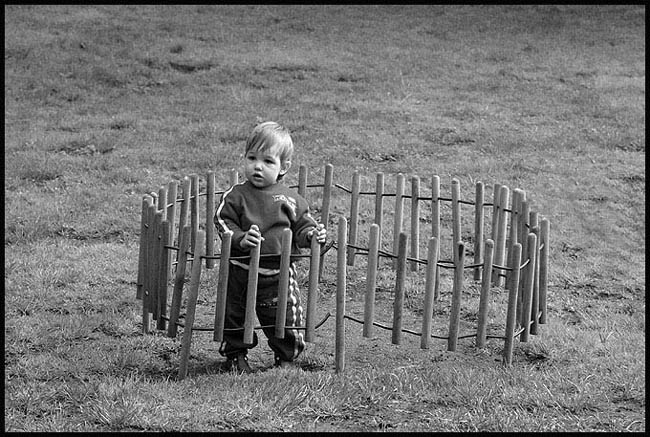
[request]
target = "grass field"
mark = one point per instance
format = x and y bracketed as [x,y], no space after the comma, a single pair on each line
[106,103]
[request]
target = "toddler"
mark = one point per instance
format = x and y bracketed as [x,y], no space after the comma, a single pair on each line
[258,210]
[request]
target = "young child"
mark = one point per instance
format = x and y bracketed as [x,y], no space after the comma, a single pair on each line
[258,210]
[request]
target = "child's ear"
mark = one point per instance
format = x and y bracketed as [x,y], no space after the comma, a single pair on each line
[286,165]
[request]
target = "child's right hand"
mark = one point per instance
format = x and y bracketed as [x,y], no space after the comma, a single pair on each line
[252,238]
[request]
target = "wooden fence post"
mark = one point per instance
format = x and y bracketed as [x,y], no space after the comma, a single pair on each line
[483,307]
[543,269]
[185,209]
[251,294]
[500,242]
[455,213]
[371,282]
[283,284]
[312,290]
[142,249]
[179,280]
[172,193]
[478,229]
[209,221]
[399,213]
[339,355]
[435,226]
[164,274]
[454,313]
[222,286]
[511,316]
[325,214]
[379,203]
[528,290]
[192,296]
[148,267]
[415,222]
[400,279]
[432,267]
[354,217]
[194,208]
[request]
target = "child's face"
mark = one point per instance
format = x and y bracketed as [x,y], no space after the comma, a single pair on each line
[262,168]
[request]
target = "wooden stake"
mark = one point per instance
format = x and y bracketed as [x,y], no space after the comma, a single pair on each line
[435,225]
[400,279]
[194,209]
[454,316]
[496,192]
[478,229]
[543,269]
[155,272]
[534,314]
[183,219]
[179,281]
[172,193]
[514,229]
[500,243]
[455,214]
[523,228]
[511,316]
[192,297]
[222,286]
[432,267]
[148,266]
[339,356]
[528,290]
[283,283]
[209,220]
[251,294]
[415,222]
[399,212]
[312,290]
[164,275]
[371,282]
[379,202]
[354,217]
[325,215]
[327,194]
[483,306]
[142,249]
[162,201]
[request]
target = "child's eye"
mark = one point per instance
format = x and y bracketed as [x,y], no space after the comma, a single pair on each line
[269,161]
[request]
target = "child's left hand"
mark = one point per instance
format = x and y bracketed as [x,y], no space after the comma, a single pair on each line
[320,233]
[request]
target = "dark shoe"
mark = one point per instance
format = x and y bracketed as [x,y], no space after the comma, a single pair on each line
[283,363]
[238,364]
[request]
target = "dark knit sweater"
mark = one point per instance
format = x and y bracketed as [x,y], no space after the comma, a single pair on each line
[272,209]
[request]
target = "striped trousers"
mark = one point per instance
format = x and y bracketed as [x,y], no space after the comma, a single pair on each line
[287,348]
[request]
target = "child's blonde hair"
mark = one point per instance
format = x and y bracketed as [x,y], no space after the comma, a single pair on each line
[268,135]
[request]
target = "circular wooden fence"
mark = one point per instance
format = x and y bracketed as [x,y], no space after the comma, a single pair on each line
[177,231]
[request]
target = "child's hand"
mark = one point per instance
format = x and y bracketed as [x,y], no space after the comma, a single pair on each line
[319,232]
[252,238]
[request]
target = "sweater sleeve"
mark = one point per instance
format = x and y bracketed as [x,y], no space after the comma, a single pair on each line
[304,224]
[227,219]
